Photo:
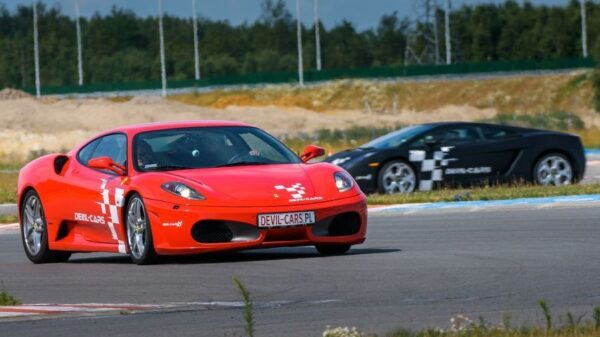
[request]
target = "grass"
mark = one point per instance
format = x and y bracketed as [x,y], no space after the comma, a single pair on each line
[8,187]
[4,219]
[120,99]
[500,192]
[7,299]
[248,307]
[462,326]
[564,92]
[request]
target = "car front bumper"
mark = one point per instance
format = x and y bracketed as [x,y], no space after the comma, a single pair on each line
[172,226]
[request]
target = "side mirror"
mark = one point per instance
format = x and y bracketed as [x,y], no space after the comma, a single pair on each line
[310,152]
[106,163]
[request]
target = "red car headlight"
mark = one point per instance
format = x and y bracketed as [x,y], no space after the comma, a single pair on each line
[182,190]
[343,181]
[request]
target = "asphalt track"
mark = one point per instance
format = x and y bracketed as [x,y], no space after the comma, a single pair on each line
[414,271]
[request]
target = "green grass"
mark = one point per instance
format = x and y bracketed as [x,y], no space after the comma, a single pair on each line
[8,187]
[7,299]
[4,219]
[485,193]
[462,326]
[248,307]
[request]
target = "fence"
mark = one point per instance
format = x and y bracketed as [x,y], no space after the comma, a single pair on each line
[325,75]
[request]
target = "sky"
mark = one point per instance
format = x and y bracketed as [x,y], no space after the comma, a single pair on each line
[364,14]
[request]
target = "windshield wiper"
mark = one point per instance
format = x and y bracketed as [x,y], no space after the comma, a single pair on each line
[244,163]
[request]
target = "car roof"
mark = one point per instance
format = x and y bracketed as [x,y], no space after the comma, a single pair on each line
[138,128]
[510,127]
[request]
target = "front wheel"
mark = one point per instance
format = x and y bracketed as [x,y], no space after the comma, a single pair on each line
[332,249]
[396,177]
[553,169]
[139,233]
[34,232]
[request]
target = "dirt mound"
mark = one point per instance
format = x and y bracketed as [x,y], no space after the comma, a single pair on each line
[9,93]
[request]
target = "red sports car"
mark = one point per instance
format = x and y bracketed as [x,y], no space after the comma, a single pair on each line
[185,188]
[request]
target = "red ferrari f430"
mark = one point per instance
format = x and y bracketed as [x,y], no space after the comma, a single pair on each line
[185,188]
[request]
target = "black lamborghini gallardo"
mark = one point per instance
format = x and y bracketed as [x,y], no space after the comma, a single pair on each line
[426,156]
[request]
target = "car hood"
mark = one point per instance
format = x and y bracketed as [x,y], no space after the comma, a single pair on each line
[343,158]
[271,185]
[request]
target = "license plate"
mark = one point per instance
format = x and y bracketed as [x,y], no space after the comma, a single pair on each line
[286,219]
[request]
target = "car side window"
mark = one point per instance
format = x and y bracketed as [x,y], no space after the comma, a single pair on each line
[113,146]
[86,153]
[490,132]
[451,136]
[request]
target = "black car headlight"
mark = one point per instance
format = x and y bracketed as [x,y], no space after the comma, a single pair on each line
[182,190]
[343,181]
[341,161]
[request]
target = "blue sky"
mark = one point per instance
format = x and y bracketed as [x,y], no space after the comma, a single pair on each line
[364,13]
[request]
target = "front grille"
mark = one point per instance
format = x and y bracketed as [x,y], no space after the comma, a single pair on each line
[212,231]
[340,225]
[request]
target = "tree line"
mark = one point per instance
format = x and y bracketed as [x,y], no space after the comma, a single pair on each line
[123,47]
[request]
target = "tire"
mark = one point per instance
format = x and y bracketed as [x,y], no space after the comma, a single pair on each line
[390,182]
[139,232]
[553,169]
[332,249]
[34,232]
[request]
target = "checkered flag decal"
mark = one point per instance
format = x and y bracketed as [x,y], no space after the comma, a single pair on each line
[297,190]
[431,169]
[111,211]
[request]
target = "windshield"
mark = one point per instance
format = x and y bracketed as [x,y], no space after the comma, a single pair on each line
[206,147]
[396,138]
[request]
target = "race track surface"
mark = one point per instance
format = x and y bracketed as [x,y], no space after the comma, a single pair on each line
[414,271]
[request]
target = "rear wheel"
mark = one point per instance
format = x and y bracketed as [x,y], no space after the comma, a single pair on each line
[34,232]
[553,169]
[396,177]
[139,233]
[332,249]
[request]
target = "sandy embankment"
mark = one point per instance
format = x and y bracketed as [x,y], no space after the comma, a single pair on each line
[28,125]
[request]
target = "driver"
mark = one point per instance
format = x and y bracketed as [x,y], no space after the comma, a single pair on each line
[145,155]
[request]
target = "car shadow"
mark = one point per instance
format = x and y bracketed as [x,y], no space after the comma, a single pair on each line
[273,254]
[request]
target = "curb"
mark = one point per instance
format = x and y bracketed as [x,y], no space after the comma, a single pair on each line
[8,209]
[475,205]
[41,310]
[8,227]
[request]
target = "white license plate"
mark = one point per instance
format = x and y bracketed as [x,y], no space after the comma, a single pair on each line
[286,219]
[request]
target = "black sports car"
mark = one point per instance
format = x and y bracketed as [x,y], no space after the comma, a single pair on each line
[422,157]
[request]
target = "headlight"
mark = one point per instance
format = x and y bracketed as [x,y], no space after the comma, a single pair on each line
[340,161]
[182,190]
[343,181]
